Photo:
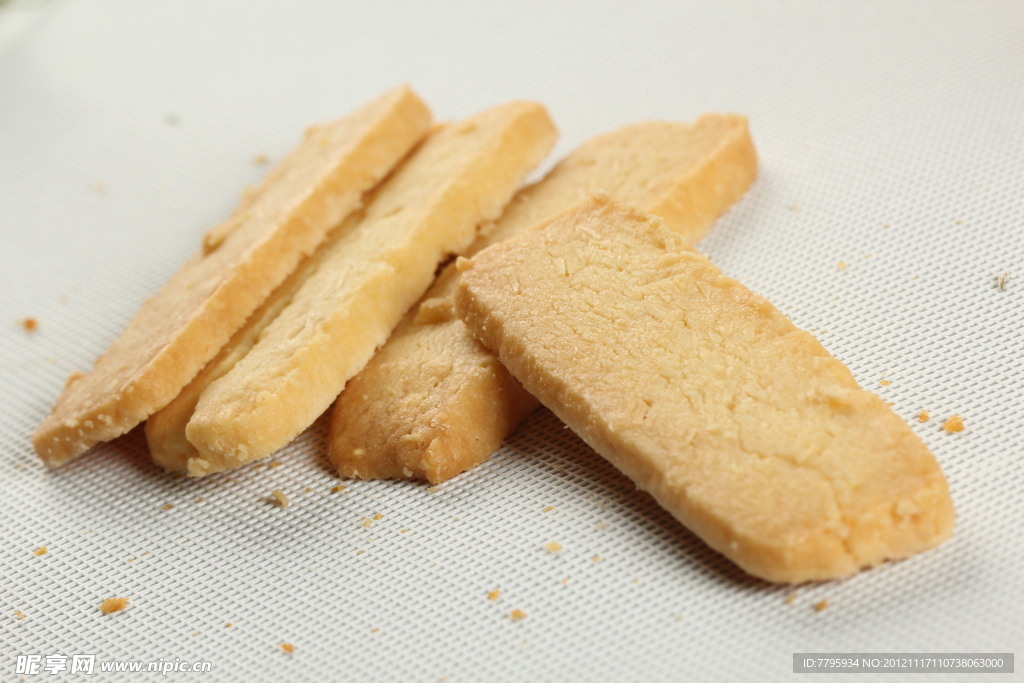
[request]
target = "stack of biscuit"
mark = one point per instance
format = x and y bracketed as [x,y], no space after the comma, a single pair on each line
[328,286]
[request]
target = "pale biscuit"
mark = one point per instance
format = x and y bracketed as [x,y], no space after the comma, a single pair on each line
[704,394]
[432,402]
[372,271]
[175,333]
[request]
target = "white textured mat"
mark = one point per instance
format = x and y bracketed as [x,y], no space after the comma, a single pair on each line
[891,138]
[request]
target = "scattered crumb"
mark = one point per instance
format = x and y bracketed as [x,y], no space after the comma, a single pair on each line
[31,324]
[367,523]
[227,625]
[18,614]
[884,382]
[99,186]
[360,552]
[959,222]
[377,517]
[955,423]
[547,508]
[374,630]
[307,489]
[790,597]
[885,226]
[111,605]
[167,506]
[403,531]
[552,546]
[260,159]
[868,255]
[601,525]
[432,489]
[565,582]
[923,416]
[494,595]
[1000,285]
[636,581]
[195,634]
[517,615]
[821,606]
[273,464]
[288,648]
[41,550]
[336,489]
[595,558]
[130,560]
[841,265]
[280,498]
[199,499]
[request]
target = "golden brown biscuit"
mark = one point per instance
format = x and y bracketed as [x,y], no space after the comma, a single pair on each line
[704,394]
[373,269]
[432,402]
[175,333]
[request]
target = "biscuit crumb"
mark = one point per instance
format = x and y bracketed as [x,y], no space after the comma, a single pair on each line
[377,517]
[595,558]
[841,265]
[884,382]
[552,546]
[288,648]
[336,489]
[494,595]
[601,526]
[199,499]
[280,498]
[41,550]
[111,605]
[18,614]
[307,489]
[955,423]
[195,633]
[167,506]
[790,597]
[227,625]
[367,523]
[374,630]
[260,159]
[821,606]
[547,508]
[31,324]
[1000,282]
[923,416]
[274,463]
[517,615]
[432,489]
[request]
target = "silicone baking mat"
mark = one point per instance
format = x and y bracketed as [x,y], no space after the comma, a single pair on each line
[890,200]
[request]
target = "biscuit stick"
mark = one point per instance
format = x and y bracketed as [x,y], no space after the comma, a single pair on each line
[432,402]
[373,269]
[738,423]
[175,333]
